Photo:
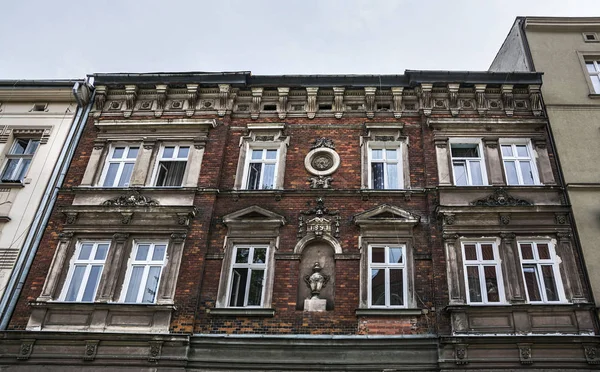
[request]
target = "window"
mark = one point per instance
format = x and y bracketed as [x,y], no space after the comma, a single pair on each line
[593,69]
[483,276]
[467,164]
[260,172]
[540,271]
[387,283]
[519,166]
[385,168]
[172,162]
[143,275]
[85,271]
[248,276]
[119,166]
[18,159]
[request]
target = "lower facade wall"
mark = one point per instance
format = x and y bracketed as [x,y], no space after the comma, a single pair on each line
[55,351]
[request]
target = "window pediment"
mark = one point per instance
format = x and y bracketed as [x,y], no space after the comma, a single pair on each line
[253,217]
[386,213]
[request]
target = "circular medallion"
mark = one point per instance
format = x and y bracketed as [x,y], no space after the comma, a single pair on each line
[322,161]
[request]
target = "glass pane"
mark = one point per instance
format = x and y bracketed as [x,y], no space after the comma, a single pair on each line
[465,151]
[134,284]
[507,150]
[142,252]
[260,255]
[132,153]
[460,173]
[474,284]
[543,251]
[111,174]
[171,173]
[159,252]
[76,280]
[596,83]
[491,284]
[118,152]
[511,173]
[376,154]
[531,282]
[9,171]
[90,289]
[254,176]
[377,175]
[86,250]
[151,285]
[183,152]
[526,251]
[395,255]
[391,154]
[549,283]
[487,252]
[23,168]
[271,154]
[126,174]
[590,67]
[526,172]
[168,152]
[476,176]
[392,174]
[256,287]
[19,147]
[522,151]
[377,287]
[378,255]
[396,287]
[257,154]
[238,287]
[470,252]
[269,177]
[33,145]
[101,252]
[242,255]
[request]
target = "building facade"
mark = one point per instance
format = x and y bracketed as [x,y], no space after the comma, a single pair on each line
[567,51]
[225,221]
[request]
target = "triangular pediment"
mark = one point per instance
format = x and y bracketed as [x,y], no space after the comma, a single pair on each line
[253,214]
[386,214]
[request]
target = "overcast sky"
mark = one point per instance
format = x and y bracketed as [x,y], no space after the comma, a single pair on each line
[68,39]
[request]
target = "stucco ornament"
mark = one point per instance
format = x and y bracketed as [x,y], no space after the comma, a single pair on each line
[321,162]
[500,198]
[316,281]
[131,200]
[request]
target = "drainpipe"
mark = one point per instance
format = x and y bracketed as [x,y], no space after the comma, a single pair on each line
[36,231]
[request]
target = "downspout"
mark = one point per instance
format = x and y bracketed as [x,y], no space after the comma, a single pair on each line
[36,231]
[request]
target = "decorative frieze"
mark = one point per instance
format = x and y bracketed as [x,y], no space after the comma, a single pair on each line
[131,200]
[500,198]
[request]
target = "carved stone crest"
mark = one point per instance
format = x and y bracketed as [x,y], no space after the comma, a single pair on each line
[132,200]
[525,354]
[501,198]
[591,354]
[320,224]
[322,142]
[26,349]
[320,182]
[460,352]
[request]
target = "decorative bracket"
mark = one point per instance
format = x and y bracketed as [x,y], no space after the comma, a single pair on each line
[535,99]
[338,102]
[135,199]
[192,98]
[256,99]
[223,99]
[426,101]
[481,99]
[525,353]
[283,99]
[508,99]
[130,97]
[26,349]
[460,354]
[397,101]
[370,101]
[453,98]
[311,101]
[161,99]
[155,350]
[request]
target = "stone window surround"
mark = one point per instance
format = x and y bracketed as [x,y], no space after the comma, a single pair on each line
[470,141]
[262,136]
[555,262]
[384,135]
[493,168]
[513,280]
[583,57]
[186,132]
[533,156]
[10,133]
[500,275]
[405,268]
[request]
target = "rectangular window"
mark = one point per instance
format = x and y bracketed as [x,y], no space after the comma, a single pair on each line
[119,166]
[171,165]
[387,280]
[467,164]
[248,276]
[519,166]
[144,271]
[18,159]
[385,168]
[483,276]
[593,69]
[85,271]
[261,169]
[541,272]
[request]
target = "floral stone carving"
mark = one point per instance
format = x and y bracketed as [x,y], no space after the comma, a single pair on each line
[132,200]
[501,198]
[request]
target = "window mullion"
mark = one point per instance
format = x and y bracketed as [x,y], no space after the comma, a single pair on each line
[247,289]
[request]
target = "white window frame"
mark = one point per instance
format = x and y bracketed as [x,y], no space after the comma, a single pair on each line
[250,266]
[88,267]
[518,159]
[596,64]
[398,161]
[20,168]
[553,260]
[386,266]
[132,262]
[160,158]
[121,162]
[263,161]
[480,160]
[480,263]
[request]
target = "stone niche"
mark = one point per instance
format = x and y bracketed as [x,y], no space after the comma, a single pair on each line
[323,253]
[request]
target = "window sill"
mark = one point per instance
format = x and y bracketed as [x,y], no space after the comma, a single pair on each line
[594,95]
[12,184]
[231,311]
[390,312]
